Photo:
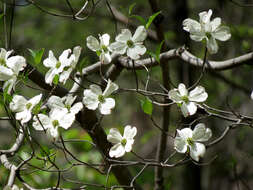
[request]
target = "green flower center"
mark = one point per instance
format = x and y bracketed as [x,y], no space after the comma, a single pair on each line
[208,34]
[28,106]
[185,99]
[58,64]
[123,142]
[130,43]
[104,48]
[68,106]
[101,98]
[55,123]
[190,141]
[2,62]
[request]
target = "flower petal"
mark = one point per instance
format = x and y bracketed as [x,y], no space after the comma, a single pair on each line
[110,88]
[118,47]
[66,120]
[204,16]
[50,61]
[201,133]
[90,99]
[140,34]
[96,89]
[44,120]
[117,151]
[55,102]
[192,108]
[189,24]
[215,23]
[184,133]
[105,39]
[197,150]
[222,33]
[35,100]
[129,132]
[5,73]
[76,108]
[136,51]
[212,45]
[24,116]
[182,90]
[18,103]
[16,63]
[92,43]
[124,36]
[129,145]
[198,94]
[175,96]
[180,145]
[114,136]
[105,107]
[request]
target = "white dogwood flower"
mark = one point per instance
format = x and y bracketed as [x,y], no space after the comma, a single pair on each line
[188,101]
[74,60]
[132,45]
[10,68]
[101,48]
[57,66]
[208,30]
[94,98]
[55,102]
[23,107]
[188,140]
[57,118]
[121,144]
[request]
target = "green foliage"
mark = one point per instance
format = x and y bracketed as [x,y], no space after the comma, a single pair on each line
[151,19]
[156,54]
[37,55]
[147,106]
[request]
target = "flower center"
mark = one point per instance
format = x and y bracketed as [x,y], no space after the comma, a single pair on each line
[190,141]
[28,106]
[104,48]
[101,98]
[68,106]
[123,142]
[130,43]
[208,34]
[58,64]
[55,123]
[2,62]
[185,99]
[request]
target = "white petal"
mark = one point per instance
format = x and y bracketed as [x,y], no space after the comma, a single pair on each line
[184,133]
[53,132]
[114,136]
[55,102]
[222,33]
[65,61]
[3,53]
[136,51]
[215,23]
[212,46]
[96,89]
[205,16]
[197,150]
[175,96]
[77,52]
[66,120]
[50,75]
[9,84]
[92,43]
[5,73]
[69,99]
[182,90]
[117,151]
[191,107]
[140,34]
[16,63]
[198,36]
[43,119]
[35,100]
[201,133]
[180,145]
[105,107]
[129,145]
[105,57]
[18,103]
[65,75]
[118,47]
[105,39]
[198,94]
[24,116]
[251,95]
[189,24]
[90,99]
[76,108]
[124,36]
[129,132]
[50,61]
[110,88]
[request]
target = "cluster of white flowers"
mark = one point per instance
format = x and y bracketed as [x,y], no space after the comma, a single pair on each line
[125,43]
[207,29]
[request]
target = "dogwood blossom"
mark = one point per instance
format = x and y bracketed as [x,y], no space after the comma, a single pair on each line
[57,118]
[94,98]
[101,48]
[121,144]
[57,66]
[15,187]
[188,101]
[74,60]
[208,30]
[24,107]
[10,68]
[188,140]
[65,103]
[132,45]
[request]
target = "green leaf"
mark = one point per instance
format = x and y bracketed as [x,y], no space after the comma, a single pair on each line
[147,106]
[151,19]
[1,15]
[37,55]
[56,79]
[44,151]
[158,51]
[142,20]
[131,8]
